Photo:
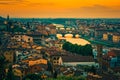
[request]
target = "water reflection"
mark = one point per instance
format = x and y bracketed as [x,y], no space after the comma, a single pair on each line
[76,40]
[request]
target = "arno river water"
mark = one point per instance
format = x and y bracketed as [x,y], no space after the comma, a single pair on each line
[76,40]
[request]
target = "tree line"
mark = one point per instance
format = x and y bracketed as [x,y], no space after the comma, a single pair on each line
[85,50]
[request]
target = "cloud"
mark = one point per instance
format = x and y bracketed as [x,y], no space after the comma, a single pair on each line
[100,8]
[104,11]
[26,3]
[95,8]
[41,4]
[94,11]
[11,2]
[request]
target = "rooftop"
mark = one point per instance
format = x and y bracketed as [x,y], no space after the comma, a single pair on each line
[77,58]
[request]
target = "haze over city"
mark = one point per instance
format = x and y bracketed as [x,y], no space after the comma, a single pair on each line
[59,39]
[60,8]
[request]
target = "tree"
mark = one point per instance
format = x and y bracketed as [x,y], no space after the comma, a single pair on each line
[32,77]
[82,50]
[10,74]
[70,47]
[68,78]
[88,49]
[2,67]
[93,69]
[87,68]
[65,46]
[55,74]
[78,49]
[0,41]
[50,67]
[18,29]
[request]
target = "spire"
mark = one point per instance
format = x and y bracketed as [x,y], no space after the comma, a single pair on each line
[7,17]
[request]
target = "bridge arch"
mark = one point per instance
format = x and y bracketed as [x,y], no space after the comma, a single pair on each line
[68,35]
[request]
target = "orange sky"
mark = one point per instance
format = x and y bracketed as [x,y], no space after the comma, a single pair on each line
[61,8]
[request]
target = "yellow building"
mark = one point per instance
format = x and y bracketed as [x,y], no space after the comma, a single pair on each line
[38,61]
[105,36]
[116,38]
[18,72]
[59,45]
[53,31]
[22,38]
[27,38]
[10,56]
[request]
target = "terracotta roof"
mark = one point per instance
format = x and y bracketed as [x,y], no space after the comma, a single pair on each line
[114,52]
[77,58]
[111,54]
[116,34]
[40,65]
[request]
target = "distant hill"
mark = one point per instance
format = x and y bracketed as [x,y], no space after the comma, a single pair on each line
[2,20]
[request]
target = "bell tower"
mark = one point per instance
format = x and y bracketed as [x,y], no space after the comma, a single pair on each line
[8,17]
[99,56]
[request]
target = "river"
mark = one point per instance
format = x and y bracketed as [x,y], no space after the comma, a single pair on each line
[77,40]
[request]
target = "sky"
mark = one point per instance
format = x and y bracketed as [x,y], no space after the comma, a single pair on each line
[60,8]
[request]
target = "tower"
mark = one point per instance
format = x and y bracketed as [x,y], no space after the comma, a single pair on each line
[8,17]
[99,56]
[9,23]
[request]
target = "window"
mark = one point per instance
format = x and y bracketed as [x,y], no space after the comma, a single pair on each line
[28,39]
[57,58]
[54,62]
[35,68]
[54,58]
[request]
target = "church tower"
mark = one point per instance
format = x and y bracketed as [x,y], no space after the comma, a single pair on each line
[8,23]
[8,17]
[99,56]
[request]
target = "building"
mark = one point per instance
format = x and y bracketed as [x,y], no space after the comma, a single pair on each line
[10,56]
[22,38]
[18,72]
[114,56]
[112,60]
[37,68]
[38,61]
[27,38]
[59,45]
[56,60]
[51,28]
[116,38]
[105,36]
[74,60]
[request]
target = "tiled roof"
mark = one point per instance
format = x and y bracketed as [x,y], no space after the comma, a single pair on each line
[115,52]
[77,58]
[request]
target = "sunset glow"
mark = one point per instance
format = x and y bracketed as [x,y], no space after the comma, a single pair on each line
[61,8]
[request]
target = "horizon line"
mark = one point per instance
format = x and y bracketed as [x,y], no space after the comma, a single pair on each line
[70,17]
[63,17]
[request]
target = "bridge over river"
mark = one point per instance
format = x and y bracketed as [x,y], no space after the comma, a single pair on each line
[92,41]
